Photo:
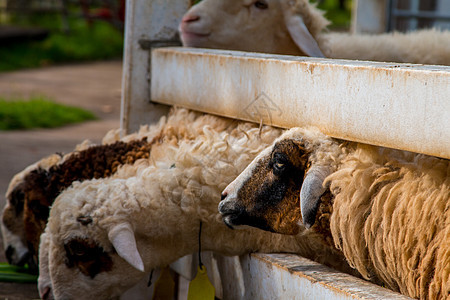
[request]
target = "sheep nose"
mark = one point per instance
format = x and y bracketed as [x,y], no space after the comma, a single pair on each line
[227,207]
[45,293]
[190,18]
[223,196]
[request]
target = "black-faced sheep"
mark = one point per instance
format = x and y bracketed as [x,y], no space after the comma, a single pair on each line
[103,233]
[388,211]
[297,27]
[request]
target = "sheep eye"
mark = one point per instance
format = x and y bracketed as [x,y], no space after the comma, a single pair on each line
[279,166]
[84,220]
[78,250]
[279,163]
[261,5]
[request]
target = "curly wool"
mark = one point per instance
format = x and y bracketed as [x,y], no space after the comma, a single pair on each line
[387,211]
[164,202]
[391,219]
[189,163]
[33,190]
[179,185]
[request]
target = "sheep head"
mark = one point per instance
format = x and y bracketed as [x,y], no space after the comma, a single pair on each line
[282,186]
[271,26]
[78,253]
[12,225]
[32,191]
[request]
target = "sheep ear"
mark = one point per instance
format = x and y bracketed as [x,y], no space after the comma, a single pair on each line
[122,238]
[301,35]
[312,189]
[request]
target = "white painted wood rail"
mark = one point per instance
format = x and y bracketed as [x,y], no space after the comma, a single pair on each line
[401,106]
[280,276]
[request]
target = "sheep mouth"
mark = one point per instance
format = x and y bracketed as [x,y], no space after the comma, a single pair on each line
[46,293]
[18,258]
[228,220]
[191,39]
[195,34]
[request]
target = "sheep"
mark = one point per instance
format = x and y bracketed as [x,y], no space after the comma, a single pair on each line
[297,27]
[12,227]
[387,210]
[25,219]
[103,233]
[33,190]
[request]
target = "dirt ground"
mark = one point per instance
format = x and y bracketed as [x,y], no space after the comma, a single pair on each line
[93,86]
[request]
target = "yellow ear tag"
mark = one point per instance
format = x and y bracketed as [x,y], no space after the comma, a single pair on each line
[200,287]
[164,286]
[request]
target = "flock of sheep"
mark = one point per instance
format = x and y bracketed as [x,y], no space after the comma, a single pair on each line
[376,213]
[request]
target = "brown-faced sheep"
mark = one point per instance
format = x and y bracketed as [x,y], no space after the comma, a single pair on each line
[297,27]
[103,233]
[388,211]
[39,187]
[12,225]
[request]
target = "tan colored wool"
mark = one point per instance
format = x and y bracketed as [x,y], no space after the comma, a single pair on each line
[392,220]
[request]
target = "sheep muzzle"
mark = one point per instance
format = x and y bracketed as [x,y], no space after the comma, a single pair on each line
[267,196]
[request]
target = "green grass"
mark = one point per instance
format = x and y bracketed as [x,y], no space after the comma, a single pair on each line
[9,273]
[39,112]
[100,41]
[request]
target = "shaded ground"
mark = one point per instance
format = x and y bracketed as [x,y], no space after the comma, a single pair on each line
[94,86]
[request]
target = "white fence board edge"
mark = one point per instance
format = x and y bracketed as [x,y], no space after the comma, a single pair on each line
[401,106]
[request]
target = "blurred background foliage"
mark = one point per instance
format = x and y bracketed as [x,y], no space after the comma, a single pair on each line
[80,30]
[87,30]
[71,35]
[338,12]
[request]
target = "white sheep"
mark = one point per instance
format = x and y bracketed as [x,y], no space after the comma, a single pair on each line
[103,233]
[388,210]
[297,27]
[33,190]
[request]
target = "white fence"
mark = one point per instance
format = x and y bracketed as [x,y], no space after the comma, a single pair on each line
[395,105]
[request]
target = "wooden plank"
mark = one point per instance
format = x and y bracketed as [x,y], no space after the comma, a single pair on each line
[401,106]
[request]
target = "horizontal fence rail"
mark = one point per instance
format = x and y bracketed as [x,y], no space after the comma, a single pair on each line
[401,106]
[285,276]
[279,276]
